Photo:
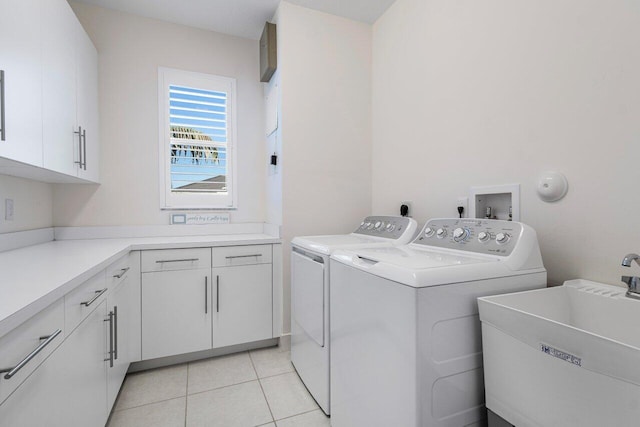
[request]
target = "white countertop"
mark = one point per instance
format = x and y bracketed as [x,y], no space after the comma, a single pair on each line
[33,277]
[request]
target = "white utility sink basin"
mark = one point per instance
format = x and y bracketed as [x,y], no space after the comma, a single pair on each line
[563,356]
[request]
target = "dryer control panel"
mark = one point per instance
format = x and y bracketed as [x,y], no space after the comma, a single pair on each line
[486,236]
[391,227]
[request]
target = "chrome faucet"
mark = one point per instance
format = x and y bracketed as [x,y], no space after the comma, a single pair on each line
[632,282]
[626,261]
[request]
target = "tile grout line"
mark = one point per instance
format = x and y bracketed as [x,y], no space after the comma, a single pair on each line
[262,389]
[147,404]
[301,413]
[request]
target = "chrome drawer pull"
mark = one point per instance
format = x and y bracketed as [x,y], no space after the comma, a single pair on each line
[110,320]
[243,256]
[12,371]
[98,294]
[217,294]
[178,260]
[122,273]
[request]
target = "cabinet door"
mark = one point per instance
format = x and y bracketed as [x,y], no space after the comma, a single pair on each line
[119,304]
[87,104]
[59,142]
[242,304]
[69,388]
[176,312]
[21,63]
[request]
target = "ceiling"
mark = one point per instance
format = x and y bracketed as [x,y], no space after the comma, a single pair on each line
[242,18]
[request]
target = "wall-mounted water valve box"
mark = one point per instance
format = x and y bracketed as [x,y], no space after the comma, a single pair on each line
[495,202]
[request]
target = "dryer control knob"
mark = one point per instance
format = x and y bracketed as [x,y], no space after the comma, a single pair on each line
[441,233]
[483,236]
[429,231]
[502,238]
[460,234]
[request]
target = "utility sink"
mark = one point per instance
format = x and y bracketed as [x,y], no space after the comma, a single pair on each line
[563,356]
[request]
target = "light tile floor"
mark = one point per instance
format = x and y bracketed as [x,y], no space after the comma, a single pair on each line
[255,388]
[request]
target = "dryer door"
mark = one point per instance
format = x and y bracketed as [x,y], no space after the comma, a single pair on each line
[307,282]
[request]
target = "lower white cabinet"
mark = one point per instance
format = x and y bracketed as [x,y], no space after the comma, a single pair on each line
[176,312]
[243,304]
[188,306]
[68,389]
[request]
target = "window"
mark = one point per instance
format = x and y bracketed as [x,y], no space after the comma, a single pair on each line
[197,140]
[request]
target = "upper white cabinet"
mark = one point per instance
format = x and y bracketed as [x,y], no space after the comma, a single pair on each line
[87,105]
[69,95]
[51,105]
[21,87]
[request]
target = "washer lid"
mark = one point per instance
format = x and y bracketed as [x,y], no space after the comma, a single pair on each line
[410,258]
[421,268]
[327,244]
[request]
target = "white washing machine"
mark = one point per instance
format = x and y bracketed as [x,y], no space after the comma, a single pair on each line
[310,291]
[405,333]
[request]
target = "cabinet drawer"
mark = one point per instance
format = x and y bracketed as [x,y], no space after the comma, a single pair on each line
[229,256]
[80,302]
[176,259]
[22,341]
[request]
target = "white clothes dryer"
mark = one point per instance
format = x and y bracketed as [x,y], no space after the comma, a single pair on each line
[310,290]
[405,334]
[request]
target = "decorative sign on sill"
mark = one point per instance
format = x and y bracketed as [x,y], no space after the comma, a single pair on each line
[199,218]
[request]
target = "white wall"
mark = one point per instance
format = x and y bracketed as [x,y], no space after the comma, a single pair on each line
[130,50]
[324,67]
[32,204]
[480,93]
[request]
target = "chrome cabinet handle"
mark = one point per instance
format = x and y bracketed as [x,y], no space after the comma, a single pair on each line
[84,148]
[79,133]
[243,256]
[206,294]
[98,294]
[2,124]
[12,371]
[110,358]
[122,273]
[217,294]
[177,260]
[115,332]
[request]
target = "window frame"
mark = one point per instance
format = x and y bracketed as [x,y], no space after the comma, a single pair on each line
[175,200]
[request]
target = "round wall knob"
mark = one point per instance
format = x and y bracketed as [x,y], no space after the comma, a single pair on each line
[483,236]
[441,233]
[502,238]
[429,231]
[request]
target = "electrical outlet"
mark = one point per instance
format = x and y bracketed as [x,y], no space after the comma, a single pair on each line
[464,202]
[408,206]
[8,209]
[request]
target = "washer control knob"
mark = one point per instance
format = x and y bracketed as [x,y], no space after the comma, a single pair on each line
[502,238]
[369,225]
[460,234]
[483,236]
[363,224]
[429,231]
[441,233]
[378,225]
[391,227]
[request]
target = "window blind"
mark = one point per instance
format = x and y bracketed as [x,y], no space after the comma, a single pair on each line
[198,140]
